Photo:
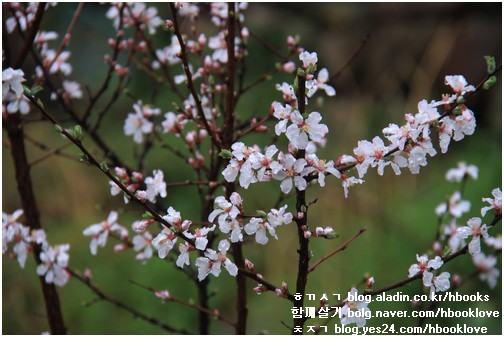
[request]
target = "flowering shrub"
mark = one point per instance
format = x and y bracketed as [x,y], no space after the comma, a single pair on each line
[202,74]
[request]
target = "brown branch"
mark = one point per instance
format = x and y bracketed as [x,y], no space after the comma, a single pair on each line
[263,282]
[30,37]
[351,59]
[123,306]
[25,188]
[337,250]
[183,56]
[66,38]
[211,313]
[301,208]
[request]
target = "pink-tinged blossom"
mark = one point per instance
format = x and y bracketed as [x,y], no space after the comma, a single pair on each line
[424,264]
[320,83]
[288,169]
[225,209]
[495,202]
[465,124]
[279,217]
[260,163]
[170,54]
[54,261]
[183,258]
[455,242]
[155,186]
[287,90]
[189,9]
[485,265]
[298,132]
[219,45]
[459,84]
[360,307]
[233,227]
[231,171]
[164,295]
[476,230]
[398,136]
[10,226]
[136,13]
[200,236]
[173,218]
[494,242]
[456,175]
[212,262]
[100,232]
[436,283]
[283,113]
[308,59]
[456,206]
[445,129]
[22,239]
[371,154]
[164,242]
[71,90]
[173,123]
[137,125]
[321,167]
[259,227]
[348,182]
[142,243]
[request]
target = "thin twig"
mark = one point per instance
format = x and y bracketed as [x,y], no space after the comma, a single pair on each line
[351,59]
[337,250]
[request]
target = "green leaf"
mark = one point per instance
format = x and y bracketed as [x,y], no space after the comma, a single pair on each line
[226,154]
[83,157]
[58,128]
[147,215]
[490,61]
[71,133]
[36,89]
[39,103]
[27,90]
[261,213]
[460,99]
[332,235]
[78,132]
[490,82]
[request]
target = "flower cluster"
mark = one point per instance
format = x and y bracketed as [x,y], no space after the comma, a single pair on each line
[13,99]
[424,266]
[54,259]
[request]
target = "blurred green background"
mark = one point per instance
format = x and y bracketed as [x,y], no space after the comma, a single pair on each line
[411,48]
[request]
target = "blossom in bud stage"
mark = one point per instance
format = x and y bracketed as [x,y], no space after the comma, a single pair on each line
[155,186]
[308,59]
[319,231]
[212,262]
[437,283]
[164,295]
[495,203]
[288,67]
[288,170]
[164,242]
[201,237]
[320,83]
[459,84]
[249,265]
[424,264]
[455,206]
[462,170]
[357,306]
[476,230]
[485,266]
[100,232]
[54,261]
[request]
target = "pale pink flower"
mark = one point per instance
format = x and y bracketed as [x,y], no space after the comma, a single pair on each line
[12,81]
[437,283]
[455,242]
[212,262]
[456,206]
[137,125]
[465,124]
[288,170]
[461,171]
[164,242]
[424,264]
[183,258]
[320,83]
[200,236]
[259,226]
[354,306]
[320,166]
[298,132]
[142,243]
[100,232]
[279,217]
[485,266]
[308,59]
[459,84]
[283,113]
[476,230]
[495,203]
[287,91]
[54,261]
[155,186]
[348,182]
[170,54]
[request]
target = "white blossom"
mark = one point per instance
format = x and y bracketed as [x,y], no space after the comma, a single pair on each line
[476,230]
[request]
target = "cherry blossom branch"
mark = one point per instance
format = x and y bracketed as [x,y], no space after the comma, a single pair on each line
[31,36]
[66,38]
[183,56]
[146,205]
[301,221]
[337,250]
[25,188]
[170,298]
[151,320]
[264,283]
